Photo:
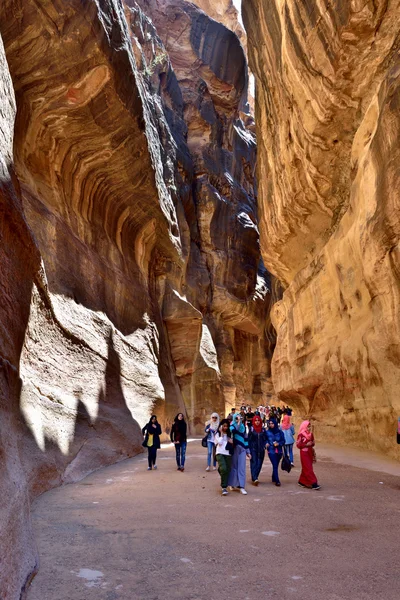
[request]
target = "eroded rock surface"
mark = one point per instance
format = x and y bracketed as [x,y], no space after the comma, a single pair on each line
[328,120]
[226,12]
[132,281]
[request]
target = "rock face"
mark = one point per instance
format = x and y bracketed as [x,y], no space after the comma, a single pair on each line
[226,12]
[328,119]
[132,280]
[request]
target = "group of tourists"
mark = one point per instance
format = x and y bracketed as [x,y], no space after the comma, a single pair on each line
[242,436]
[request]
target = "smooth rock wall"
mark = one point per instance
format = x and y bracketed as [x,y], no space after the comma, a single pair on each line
[328,128]
[132,280]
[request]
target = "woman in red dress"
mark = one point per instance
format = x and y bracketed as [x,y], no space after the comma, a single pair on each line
[306,443]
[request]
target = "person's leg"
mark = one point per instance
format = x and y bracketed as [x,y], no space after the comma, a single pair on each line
[214,455]
[271,458]
[178,455]
[183,454]
[154,456]
[149,457]
[224,466]
[260,460]
[209,453]
[278,458]
[290,447]
[253,466]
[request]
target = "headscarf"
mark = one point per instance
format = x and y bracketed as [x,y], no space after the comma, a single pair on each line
[214,425]
[257,428]
[285,422]
[275,422]
[303,431]
[240,428]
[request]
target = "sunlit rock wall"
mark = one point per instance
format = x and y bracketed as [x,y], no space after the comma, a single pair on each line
[131,275]
[328,122]
[225,12]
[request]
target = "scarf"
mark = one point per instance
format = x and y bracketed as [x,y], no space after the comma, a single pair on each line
[275,427]
[285,422]
[237,425]
[239,432]
[214,424]
[257,428]
[304,433]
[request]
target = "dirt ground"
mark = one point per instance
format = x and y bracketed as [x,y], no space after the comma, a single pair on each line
[124,533]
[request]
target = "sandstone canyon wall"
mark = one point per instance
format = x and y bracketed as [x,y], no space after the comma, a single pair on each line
[131,279]
[328,99]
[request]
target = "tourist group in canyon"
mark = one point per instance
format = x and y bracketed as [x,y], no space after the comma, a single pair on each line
[242,436]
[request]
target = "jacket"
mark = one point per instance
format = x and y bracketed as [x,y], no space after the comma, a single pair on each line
[155,431]
[272,437]
[183,434]
[289,435]
[257,442]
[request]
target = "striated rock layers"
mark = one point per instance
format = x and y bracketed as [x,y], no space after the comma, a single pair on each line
[131,278]
[225,12]
[328,78]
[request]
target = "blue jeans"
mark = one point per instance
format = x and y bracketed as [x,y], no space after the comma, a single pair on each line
[289,451]
[211,452]
[180,450]
[275,460]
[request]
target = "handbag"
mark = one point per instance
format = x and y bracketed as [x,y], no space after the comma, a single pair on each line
[204,441]
[286,464]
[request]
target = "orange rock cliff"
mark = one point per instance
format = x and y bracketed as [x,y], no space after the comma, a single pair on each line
[142,260]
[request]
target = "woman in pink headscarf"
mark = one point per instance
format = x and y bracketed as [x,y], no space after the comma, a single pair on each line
[306,443]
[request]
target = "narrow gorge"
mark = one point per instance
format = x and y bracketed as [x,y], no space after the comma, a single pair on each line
[164,247]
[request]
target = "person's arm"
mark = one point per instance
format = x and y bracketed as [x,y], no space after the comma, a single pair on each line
[144,429]
[207,428]
[301,442]
[172,434]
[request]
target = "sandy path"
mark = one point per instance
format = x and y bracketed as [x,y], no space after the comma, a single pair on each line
[124,533]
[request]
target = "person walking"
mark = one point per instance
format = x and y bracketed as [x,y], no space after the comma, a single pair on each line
[231,415]
[275,443]
[152,432]
[288,431]
[211,429]
[249,418]
[222,442]
[237,475]
[179,438]
[257,441]
[305,442]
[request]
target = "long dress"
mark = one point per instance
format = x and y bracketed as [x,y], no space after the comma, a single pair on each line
[307,475]
[257,443]
[237,476]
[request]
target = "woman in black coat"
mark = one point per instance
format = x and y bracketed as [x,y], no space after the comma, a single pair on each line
[152,432]
[178,437]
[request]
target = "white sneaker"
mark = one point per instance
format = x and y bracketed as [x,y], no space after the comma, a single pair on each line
[224,492]
[243,491]
[214,468]
[155,467]
[208,468]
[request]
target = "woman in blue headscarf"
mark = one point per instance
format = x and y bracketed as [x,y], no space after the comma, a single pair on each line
[275,443]
[237,475]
